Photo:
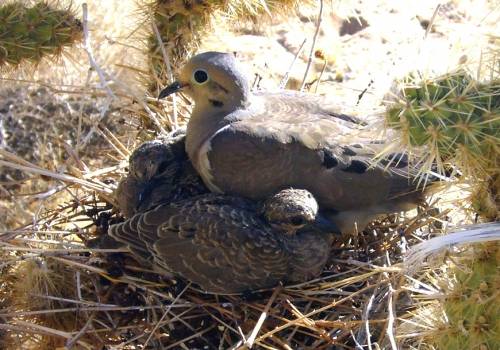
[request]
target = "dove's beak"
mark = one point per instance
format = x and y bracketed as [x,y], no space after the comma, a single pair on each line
[176,86]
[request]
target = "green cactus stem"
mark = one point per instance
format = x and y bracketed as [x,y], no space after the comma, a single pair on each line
[471,303]
[28,34]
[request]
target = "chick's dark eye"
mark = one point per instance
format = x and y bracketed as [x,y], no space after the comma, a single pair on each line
[297,220]
[200,76]
[162,167]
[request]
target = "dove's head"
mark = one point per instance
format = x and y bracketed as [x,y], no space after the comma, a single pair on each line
[213,80]
[293,209]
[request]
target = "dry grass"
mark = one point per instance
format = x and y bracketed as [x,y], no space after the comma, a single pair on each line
[66,132]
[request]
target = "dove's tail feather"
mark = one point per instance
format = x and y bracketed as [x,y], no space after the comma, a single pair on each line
[464,235]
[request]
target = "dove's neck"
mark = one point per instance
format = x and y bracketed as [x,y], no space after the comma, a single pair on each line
[203,124]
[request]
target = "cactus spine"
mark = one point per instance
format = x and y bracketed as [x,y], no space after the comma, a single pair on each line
[27,34]
[455,117]
[454,120]
[470,302]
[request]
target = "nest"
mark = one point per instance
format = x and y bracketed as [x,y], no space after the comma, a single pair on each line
[66,283]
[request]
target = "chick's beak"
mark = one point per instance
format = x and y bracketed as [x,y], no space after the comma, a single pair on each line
[322,224]
[176,86]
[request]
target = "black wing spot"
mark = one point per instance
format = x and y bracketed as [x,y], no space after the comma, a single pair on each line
[348,152]
[329,160]
[357,167]
[348,118]
[163,167]
[396,160]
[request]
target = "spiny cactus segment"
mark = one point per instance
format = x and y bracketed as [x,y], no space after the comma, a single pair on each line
[470,302]
[181,25]
[27,34]
[455,116]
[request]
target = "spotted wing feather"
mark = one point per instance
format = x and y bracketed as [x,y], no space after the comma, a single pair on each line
[215,241]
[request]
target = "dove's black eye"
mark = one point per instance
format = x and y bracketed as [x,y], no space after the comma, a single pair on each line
[200,76]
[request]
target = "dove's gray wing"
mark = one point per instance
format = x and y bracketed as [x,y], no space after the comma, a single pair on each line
[287,142]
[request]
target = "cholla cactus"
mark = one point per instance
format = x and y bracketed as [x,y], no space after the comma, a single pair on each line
[461,268]
[485,198]
[454,120]
[27,34]
[455,117]
[470,302]
[181,25]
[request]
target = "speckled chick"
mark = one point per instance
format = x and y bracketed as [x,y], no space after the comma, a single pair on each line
[159,172]
[224,243]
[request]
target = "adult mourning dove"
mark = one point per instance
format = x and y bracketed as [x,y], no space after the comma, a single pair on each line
[253,144]
[225,244]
